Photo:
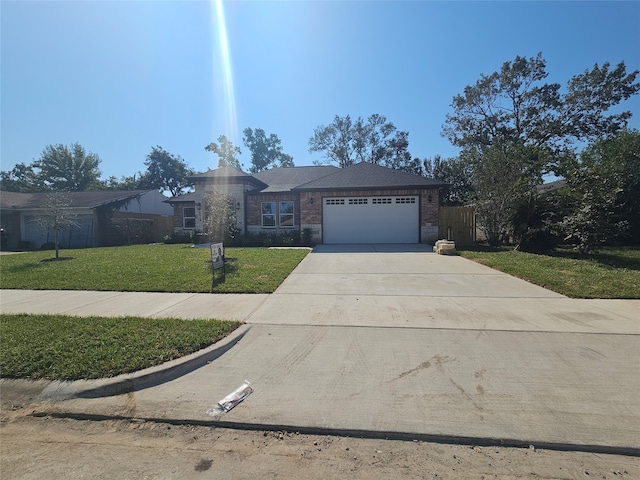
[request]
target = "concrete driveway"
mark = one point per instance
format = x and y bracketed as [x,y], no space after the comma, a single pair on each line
[409,286]
[409,344]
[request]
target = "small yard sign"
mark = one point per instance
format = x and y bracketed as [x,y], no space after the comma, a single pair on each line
[217,261]
[217,255]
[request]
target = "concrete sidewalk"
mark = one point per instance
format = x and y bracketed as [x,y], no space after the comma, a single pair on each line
[143,304]
[395,343]
[513,388]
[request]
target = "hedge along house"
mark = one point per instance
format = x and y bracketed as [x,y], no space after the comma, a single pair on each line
[363,203]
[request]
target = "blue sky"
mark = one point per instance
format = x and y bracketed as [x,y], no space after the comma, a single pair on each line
[120,77]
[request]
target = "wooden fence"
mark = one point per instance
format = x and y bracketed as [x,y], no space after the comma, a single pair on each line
[457,224]
[126,228]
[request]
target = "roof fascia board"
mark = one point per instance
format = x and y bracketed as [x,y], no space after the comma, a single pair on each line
[345,189]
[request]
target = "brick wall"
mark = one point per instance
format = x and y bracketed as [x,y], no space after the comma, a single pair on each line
[254,212]
[178,210]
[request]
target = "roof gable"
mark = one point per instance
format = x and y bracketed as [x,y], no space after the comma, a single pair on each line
[227,175]
[284,179]
[184,198]
[223,172]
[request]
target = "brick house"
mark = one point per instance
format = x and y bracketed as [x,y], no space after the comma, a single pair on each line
[102,218]
[363,203]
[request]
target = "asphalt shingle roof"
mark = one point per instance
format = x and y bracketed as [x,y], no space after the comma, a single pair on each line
[17,200]
[222,172]
[185,198]
[367,176]
[359,176]
[286,179]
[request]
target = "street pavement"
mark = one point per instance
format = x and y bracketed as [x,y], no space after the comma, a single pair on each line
[387,341]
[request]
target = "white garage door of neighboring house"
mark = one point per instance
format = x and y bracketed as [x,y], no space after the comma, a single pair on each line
[371,220]
[78,235]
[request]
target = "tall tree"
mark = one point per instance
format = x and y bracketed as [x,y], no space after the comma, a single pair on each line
[166,172]
[286,160]
[456,173]
[605,186]
[399,157]
[125,182]
[68,168]
[21,178]
[373,140]
[266,151]
[498,184]
[515,106]
[515,110]
[336,141]
[227,152]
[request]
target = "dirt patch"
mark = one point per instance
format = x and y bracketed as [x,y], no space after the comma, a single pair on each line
[36,448]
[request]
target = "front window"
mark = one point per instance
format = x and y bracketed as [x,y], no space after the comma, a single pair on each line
[268,214]
[286,214]
[189,218]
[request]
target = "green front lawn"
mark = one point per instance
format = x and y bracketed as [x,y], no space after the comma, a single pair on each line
[149,268]
[70,348]
[610,273]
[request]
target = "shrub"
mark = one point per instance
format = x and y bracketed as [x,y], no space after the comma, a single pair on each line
[262,239]
[181,237]
[48,246]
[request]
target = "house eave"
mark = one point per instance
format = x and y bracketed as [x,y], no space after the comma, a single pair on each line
[369,188]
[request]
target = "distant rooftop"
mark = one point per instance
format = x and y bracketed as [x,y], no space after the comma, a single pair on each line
[95,199]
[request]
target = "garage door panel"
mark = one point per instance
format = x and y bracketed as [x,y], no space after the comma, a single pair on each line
[371,220]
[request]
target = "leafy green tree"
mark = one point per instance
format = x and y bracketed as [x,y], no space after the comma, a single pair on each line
[537,221]
[21,178]
[266,151]
[68,168]
[605,185]
[514,107]
[498,184]
[375,143]
[286,160]
[59,168]
[336,141]
[456,173]
[166,172]
[399,157]
[227,152]
[374,140]
[124,183]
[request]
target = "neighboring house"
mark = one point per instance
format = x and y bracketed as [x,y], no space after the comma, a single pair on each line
[102,218]
[363,203]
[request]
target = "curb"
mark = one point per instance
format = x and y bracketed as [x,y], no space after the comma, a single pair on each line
[149,377]
[369,434]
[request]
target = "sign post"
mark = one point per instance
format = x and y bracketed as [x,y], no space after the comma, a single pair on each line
[217,261]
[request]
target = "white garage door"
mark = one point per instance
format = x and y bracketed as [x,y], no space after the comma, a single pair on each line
[370,220]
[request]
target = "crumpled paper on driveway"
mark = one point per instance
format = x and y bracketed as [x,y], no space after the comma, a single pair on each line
[231,400]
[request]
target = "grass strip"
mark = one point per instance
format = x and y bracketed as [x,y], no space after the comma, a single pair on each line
[61,347]
[150,268]
[613,272]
